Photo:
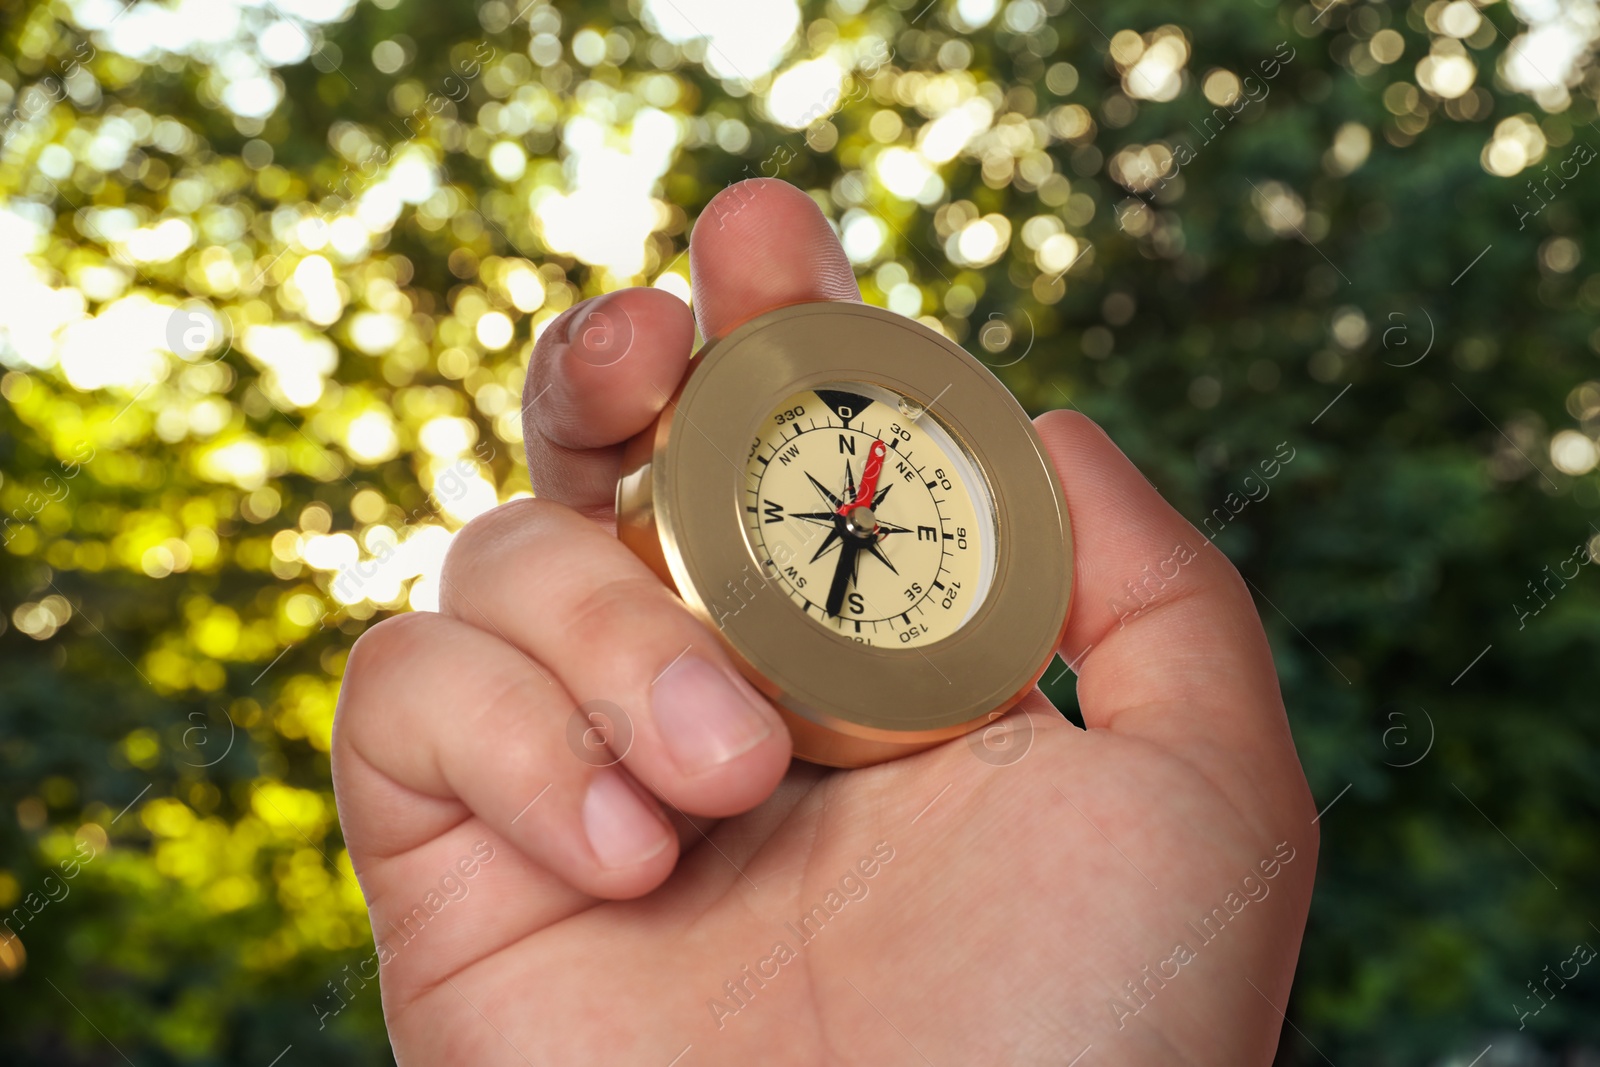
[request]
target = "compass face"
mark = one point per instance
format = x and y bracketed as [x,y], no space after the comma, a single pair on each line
[870,515]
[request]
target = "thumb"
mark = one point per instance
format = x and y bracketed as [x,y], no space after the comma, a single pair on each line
[1163,632]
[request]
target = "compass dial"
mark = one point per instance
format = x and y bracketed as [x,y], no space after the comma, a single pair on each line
[868,513]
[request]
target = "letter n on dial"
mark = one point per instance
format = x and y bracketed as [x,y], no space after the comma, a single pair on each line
[869,515]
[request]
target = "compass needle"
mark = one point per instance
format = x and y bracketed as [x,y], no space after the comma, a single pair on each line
[842,575]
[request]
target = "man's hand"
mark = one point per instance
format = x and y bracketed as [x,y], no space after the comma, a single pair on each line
[1137,889]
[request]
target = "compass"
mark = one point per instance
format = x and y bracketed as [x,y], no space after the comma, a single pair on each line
[867,518]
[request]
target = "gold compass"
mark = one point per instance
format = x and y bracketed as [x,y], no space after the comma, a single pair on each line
[865,514]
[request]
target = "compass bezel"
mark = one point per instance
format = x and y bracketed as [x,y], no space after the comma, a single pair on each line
[846,703]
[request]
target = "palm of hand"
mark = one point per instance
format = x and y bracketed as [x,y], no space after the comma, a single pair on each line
[1001,929]
[1130,893]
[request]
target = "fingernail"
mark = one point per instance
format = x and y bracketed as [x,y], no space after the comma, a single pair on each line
[704,718]
[622,829]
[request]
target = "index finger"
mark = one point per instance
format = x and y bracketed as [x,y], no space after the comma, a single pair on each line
[604,370]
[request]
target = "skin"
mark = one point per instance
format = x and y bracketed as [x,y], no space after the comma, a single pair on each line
[1019,898]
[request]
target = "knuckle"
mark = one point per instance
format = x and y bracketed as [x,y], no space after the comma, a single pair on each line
[631,615]
[488,535]
[558,461]
[500,705]
[384,645]
[384,648]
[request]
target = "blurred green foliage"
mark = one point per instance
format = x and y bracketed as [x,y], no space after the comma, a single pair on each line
[269,279]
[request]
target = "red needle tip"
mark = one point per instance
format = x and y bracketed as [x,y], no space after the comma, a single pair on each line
[869,478]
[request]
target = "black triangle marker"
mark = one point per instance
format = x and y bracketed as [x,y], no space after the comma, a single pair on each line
[845,405]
